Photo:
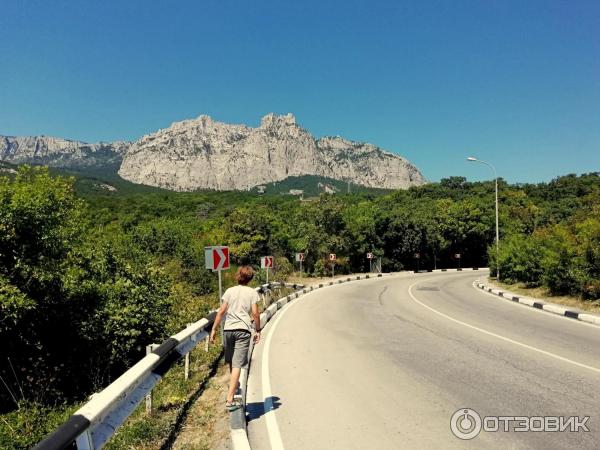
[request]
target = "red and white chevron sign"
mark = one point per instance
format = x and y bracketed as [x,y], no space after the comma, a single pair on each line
[216,258]
[369,255]
[266,262]
[299,257]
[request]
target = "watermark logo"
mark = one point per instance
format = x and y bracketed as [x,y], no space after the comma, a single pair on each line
[467,423]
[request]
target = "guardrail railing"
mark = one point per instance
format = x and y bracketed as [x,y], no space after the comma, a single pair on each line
[90,427]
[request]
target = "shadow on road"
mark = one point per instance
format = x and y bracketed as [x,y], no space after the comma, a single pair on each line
[255,410]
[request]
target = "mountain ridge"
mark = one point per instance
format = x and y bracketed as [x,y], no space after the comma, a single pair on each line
[203,153]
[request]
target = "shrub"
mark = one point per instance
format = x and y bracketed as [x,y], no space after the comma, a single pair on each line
[283,268]
[519,260]
[560,266]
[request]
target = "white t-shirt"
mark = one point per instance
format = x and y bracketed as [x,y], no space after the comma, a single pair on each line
[239,300]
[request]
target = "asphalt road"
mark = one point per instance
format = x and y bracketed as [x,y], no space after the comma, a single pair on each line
[385,363]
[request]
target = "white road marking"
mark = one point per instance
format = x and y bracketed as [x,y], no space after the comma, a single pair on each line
[270,419]
[526,307]
[489,333]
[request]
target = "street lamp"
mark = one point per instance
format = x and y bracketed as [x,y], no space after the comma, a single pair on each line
[473,159]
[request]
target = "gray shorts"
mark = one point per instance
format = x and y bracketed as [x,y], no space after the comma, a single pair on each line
[236,344]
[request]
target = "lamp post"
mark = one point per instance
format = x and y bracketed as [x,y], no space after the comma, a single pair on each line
[472,159]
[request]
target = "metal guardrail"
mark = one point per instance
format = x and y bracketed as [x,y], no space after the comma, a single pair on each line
[90,427]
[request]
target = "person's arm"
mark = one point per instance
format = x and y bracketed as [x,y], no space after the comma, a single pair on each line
[219,317]
[256,317]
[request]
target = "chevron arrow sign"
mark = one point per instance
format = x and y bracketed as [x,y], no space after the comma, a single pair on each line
[216,258]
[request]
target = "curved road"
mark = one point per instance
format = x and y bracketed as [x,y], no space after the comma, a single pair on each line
[385,363]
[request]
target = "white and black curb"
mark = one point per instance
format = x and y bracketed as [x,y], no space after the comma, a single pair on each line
[539,304]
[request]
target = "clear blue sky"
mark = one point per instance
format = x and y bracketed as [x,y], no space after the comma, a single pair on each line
[513,82]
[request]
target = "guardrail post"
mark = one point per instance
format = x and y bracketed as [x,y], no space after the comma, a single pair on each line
[186,366]
[149,349]
[84,441]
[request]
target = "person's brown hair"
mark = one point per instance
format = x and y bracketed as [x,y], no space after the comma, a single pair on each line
[244,274]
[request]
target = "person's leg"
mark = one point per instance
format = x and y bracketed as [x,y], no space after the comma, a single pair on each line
[228,348]
[239,359]
[233,383]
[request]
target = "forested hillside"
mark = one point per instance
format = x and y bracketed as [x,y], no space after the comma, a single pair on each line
[102,275]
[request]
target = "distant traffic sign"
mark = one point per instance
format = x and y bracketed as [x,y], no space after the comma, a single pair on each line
[457,255]
[369,255]
[216,258]
[266,262]
[417,255]
[332,257]
[299,257]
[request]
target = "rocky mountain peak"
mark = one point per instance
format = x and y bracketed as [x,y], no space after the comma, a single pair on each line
[58,152]
[206,154]
[273,120]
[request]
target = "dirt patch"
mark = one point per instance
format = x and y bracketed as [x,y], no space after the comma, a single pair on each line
[207,423]
[542,294]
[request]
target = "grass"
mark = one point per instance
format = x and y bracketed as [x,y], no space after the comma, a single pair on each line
[543,294]
[206,425]
[171,400]
[23,428]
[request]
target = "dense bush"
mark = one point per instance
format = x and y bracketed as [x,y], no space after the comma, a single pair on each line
[521,260]
[73,313]
[563,257]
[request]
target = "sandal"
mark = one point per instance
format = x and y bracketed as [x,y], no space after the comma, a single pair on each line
[234,405]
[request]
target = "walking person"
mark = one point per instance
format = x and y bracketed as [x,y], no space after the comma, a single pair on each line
[240,306]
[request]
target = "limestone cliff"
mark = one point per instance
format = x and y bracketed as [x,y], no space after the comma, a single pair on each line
[57,152]
[206,154]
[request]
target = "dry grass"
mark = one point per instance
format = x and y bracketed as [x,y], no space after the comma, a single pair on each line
[173,399]
[543,294]
[207,423]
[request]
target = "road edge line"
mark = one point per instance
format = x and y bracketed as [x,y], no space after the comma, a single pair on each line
[551,308]
[499,336]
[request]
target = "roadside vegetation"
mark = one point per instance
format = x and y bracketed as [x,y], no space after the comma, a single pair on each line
[89,277]
[561,255]
[543,293]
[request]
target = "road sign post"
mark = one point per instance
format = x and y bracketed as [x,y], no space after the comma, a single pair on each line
[332,258]
[300,258]
[370,258]
[457,256]
[220,288]
[417,257]
[216,258]
[266,262]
